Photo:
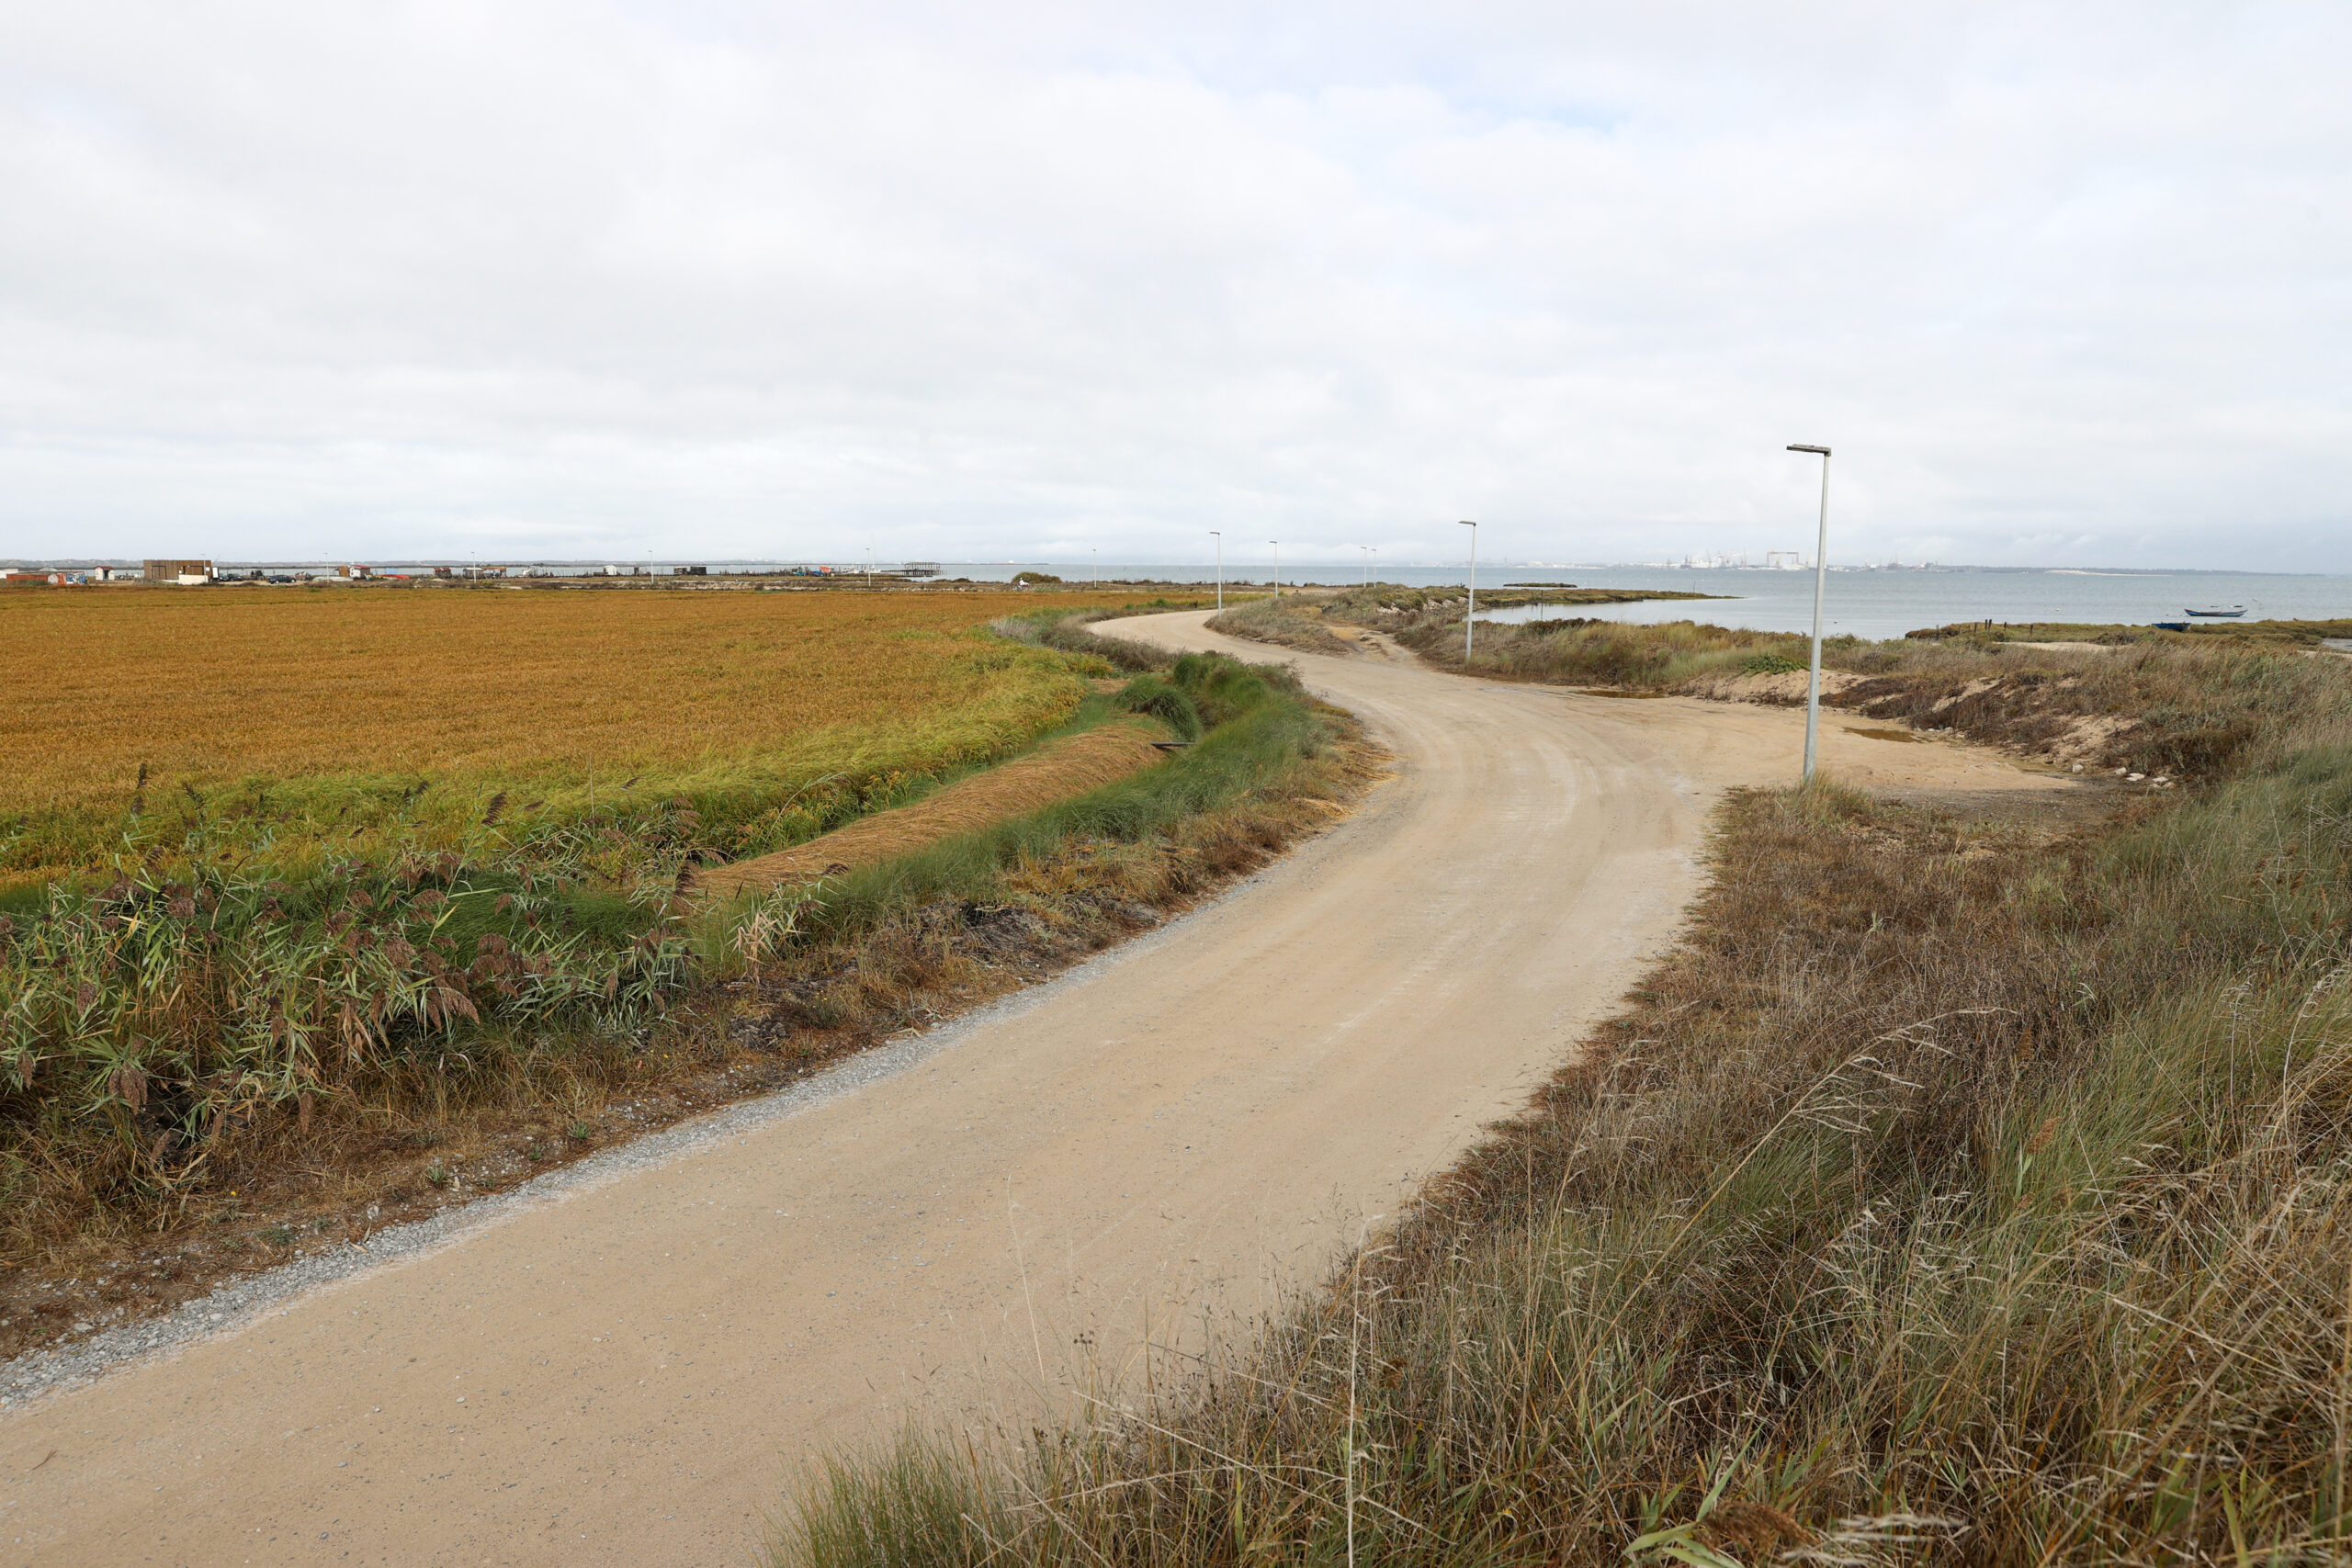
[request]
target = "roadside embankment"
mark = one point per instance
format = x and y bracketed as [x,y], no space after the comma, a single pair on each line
[523,1043]
[272,935]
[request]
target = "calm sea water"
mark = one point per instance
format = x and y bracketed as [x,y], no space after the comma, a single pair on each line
[1888,604]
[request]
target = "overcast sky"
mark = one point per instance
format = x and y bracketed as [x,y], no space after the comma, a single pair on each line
[2062,284]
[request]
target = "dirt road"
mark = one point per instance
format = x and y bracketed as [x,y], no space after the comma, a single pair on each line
[627,1373]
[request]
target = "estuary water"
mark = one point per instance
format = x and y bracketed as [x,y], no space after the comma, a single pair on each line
[1888,604]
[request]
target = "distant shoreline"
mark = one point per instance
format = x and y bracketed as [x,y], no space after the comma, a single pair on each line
[1236,571]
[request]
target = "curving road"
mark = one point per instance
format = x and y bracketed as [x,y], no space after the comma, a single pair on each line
[628,1372]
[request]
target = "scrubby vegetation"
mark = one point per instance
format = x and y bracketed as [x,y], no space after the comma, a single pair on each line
[2188,710]
[1955,1194]
[1293,622]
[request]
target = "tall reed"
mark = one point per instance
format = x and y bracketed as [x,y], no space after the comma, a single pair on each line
[151,1020]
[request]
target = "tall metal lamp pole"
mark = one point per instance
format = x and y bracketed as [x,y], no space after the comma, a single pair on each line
[1820,583]
[1218,534]
[1277,544]
[1471,616]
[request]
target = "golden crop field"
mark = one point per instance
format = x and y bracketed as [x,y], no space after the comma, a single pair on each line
[288,709]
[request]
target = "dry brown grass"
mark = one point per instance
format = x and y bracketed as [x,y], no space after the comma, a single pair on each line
[1292,622]
[2192,707]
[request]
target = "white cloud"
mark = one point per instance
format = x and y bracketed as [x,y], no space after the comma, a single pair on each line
[2060,283]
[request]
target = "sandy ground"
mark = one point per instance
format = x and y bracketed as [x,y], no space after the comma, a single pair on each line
[629,1372]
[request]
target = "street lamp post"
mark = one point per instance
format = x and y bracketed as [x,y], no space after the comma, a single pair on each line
[1820,583]
[1367,564]
[1470,615]
[1218,534]
[1096,551]
[1277,545]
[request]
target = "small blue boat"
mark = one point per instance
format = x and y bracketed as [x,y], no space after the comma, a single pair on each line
[2232,614]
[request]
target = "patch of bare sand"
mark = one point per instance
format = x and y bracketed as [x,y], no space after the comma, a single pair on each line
[2088,738]
[1787,686]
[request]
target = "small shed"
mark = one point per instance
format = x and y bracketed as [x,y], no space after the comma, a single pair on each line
[189,571]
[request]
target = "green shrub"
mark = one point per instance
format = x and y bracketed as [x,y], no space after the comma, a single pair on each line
[1224,689]
[1769,664]
[1149,694]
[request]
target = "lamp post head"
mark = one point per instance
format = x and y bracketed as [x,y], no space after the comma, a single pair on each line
[1822,451]
[1465,523]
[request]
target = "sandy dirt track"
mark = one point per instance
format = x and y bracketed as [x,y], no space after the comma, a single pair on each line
[629,1373]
